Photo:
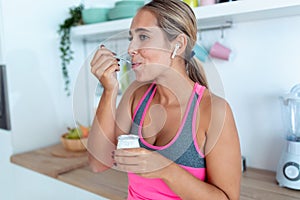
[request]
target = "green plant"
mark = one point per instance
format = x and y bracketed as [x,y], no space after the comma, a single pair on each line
[64,30]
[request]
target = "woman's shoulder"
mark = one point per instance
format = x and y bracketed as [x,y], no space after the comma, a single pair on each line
[217,113]
[214,101]
[215,108]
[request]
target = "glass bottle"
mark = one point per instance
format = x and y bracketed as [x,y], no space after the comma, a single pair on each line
[191,3]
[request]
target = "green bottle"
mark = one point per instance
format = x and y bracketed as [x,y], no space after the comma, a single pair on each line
[191,3]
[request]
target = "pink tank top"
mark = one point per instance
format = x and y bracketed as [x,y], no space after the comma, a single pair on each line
[183,149]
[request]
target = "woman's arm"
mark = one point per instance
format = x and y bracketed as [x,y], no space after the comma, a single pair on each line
[102,137]
[108,124]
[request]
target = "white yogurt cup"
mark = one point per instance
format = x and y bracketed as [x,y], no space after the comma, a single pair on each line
[128,141]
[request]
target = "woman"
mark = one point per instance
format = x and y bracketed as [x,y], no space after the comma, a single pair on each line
[189,146]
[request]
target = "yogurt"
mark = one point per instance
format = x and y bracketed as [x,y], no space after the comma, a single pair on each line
[128,141]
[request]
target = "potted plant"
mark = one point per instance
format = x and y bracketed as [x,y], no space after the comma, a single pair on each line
[64,30]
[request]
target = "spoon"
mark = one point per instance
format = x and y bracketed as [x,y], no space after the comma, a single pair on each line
[123,59]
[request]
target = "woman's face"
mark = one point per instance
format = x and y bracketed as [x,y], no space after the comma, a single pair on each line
[149,49]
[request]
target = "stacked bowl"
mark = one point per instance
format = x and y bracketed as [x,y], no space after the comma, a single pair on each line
[124,9]
[94,15]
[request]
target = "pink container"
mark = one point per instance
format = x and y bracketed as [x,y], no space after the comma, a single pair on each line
[220,51]
[207,2]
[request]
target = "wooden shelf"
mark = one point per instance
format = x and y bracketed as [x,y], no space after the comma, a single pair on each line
[246,10]
[100,31]
[218,14]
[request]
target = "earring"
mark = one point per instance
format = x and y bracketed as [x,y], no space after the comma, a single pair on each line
[177,46]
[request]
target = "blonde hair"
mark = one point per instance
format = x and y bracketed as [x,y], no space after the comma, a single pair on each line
[176,17]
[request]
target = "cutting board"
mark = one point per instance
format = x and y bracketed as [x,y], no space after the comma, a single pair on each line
[61,152]
[51,161]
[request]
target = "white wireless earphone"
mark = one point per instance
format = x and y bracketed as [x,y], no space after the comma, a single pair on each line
[177,46]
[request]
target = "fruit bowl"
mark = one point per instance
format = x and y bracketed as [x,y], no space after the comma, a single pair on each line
[73,144]
[75,139]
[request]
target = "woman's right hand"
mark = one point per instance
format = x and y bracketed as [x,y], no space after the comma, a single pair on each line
[104,66]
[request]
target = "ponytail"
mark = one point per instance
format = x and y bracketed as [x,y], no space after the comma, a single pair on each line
[196,72]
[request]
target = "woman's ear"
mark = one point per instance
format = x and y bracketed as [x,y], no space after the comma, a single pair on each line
[179,45]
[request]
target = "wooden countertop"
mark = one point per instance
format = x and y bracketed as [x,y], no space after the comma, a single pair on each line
[72,168]
[261,184]
[111,184]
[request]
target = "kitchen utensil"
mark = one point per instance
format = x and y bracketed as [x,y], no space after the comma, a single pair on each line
[200,52]
[220,51]
[207,2]
[288,169]
[73,144]
[191,3]
[223,1]
[290,106]
[130,3]
[123,59]
[94,15]
[124,9]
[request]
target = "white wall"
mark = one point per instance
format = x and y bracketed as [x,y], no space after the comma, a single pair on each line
[40,110]
[265,66]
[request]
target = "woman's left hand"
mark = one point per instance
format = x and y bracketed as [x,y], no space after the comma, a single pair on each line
[141,161]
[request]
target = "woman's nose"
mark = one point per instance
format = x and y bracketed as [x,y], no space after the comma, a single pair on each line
[132,49]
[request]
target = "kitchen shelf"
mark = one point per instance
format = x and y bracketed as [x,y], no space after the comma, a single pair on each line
[247,10]
[212,15]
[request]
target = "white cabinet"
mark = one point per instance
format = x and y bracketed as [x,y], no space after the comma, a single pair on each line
[212,15]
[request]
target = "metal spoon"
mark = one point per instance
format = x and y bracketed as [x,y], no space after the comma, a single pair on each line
[123,59]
